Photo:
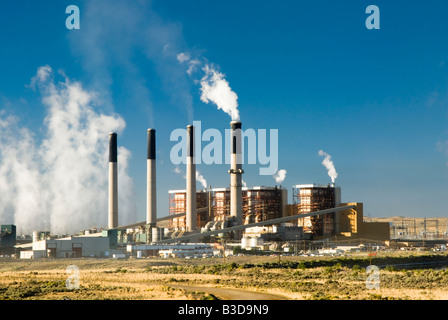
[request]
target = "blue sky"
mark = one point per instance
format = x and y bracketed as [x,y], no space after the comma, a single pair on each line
[375,100]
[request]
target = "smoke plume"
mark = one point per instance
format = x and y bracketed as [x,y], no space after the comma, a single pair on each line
[328,163]
[214,87]
[201,179]
[60,182]
[280,175]
[199,176]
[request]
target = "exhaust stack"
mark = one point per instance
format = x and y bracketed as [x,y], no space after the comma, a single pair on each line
[113,182]
[236,194]
[191,181]
[151,196]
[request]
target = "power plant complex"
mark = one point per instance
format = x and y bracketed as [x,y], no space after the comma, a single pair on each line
[200,221]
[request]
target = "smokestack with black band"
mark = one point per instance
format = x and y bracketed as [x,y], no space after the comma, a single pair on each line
[151,205]
[191,181]
[113,182]
[236,195]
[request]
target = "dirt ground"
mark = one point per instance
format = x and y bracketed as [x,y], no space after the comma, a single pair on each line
[235,278]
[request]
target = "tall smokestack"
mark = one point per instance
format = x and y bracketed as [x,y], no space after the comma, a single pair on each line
[191,181]
[113,182]
[151,204]
[236,195]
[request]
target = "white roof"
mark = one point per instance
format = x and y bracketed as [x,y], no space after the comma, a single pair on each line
[313,185]
[226,189]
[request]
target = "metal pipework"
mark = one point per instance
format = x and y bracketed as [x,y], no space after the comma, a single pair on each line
[196,236]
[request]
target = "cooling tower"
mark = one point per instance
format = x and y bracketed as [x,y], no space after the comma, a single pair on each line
[151,195]
[191,181]
[113,182]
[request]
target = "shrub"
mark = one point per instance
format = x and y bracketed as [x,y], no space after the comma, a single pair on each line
[356,267]
[390,268]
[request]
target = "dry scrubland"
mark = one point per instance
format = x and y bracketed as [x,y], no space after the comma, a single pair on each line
[338,278]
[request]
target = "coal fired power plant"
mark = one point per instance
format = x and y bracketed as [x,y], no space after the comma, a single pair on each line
[212,213]
[234,214]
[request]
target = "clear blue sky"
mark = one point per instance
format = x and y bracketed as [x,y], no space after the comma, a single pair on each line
[375,100]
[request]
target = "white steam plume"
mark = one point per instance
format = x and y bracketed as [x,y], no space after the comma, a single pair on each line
[214,87]
[63,180]
[280,175]
[199,176]
[201,179]
[328,163]
[19,177]
[217,90]
[117,33]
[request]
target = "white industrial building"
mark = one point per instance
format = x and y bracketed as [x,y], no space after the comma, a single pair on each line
[171,250]
[70,247]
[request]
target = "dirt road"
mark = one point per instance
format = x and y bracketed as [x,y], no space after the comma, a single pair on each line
[232,294]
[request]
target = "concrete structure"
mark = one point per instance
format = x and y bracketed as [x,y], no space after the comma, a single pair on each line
[70,247]
[275,233]
[214,205]
[236,160]
[113,182]
[314,197]
[352,225]
[151,205]
[242,227]
[191,182]
[252,242]
[7,235]
[171,250]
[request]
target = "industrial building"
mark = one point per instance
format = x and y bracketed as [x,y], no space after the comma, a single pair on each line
[214,206]
[7,235]
[245,215]
[314,197]
[70,247]
[351,225]
[173,250]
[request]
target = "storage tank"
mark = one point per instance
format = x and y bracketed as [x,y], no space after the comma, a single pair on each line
[157,234]
[255,241]
[244,242]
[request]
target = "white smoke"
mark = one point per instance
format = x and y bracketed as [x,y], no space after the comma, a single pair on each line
[63,179]
[243,183]
[182,57]
[19,176]
[199,176]
[328,163]
[201,179]
[280,175]
[117,33]
[192,63]
[217,90]
[214,87]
